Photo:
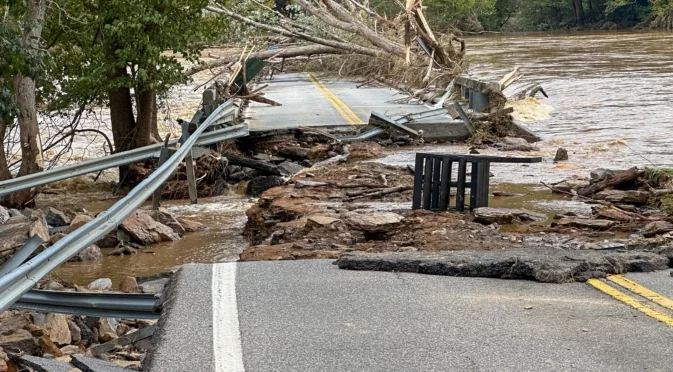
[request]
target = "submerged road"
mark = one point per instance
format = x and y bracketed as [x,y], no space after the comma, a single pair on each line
[308,100]
[298,316]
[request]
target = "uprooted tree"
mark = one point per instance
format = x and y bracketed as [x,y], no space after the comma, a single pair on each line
[402,50]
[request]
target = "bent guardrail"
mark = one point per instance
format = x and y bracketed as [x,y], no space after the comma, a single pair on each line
[20,280]
[115,160]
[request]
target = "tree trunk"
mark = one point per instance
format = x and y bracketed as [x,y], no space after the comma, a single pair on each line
[146,126]
[121,115]
[4,169]
[579,11]
[24,91]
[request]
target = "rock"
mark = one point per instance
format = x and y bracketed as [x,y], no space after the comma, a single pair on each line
[543,265]
[287,251]
[92,253]
[154,286]
[49,346]
[107,325]
[260,184]
[77,222]
[70,349]
[624,196]
[75,332]
[143,228]
[374,222]
[56,237]
[318,152]
[102,284]
[320,221]
[294,153]
[365,150]
[656,228]
[503,216]
[128,284]
[53,285]
[4,215]
[3,361]
[57,328]
[125,249]
[14,212]
[38,225]
[109,241]
[55,218]
[108,336]
[191,226]
[561,155]
[18,339]
[162,215]
[35,330]
[585,223]
[85,331]
[289,168]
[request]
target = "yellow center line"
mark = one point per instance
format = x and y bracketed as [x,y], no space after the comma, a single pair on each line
[338,104]
[641,291]
[628,300]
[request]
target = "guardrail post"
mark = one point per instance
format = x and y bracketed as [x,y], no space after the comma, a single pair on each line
[163,157]
[189,167]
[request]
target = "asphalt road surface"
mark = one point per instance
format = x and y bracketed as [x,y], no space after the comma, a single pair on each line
[308,100]
[298,316]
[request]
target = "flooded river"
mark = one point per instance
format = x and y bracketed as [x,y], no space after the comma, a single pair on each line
[610,104]
[603,87]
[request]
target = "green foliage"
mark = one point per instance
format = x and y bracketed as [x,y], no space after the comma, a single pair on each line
[93,39]
[15,56]
[666,203]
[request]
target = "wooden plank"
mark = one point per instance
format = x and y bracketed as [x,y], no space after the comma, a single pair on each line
[427,182]
[418,182]
[445,189]
[460,189]
[436,174]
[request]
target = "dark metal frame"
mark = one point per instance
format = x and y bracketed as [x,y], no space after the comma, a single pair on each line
[433,180]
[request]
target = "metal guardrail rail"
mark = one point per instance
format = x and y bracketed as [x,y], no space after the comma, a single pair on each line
[111,305]
[20,280]
[114,160]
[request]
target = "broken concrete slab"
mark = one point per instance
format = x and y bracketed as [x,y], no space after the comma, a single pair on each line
[543,265]
[87,364]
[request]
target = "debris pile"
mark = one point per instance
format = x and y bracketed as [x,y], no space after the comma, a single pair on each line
[31,341]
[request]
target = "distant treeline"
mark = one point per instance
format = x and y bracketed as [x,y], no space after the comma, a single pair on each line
[543,15]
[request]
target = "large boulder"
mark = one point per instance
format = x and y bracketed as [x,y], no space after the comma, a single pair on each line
[143,228]
[624,196]
[503,216]
[4,215]
[191,226]
[77,222]
[55,218]
[380,222]
[56,327]
[18,339]
[92,253]
[656,228]
[102,284]
[163,216]
[17,230]
[260,184]
[128,284]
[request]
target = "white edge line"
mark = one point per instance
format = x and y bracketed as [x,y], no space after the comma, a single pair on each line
[227,349]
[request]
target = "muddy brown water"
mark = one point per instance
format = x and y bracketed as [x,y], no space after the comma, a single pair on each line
[610,102]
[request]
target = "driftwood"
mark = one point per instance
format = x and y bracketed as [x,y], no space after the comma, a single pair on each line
[369,193]
[610,182]
[260,165]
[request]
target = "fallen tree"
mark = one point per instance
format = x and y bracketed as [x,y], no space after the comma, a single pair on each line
[404,48]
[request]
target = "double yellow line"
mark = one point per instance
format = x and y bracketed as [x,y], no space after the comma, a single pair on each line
[639,290]
[338,104]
